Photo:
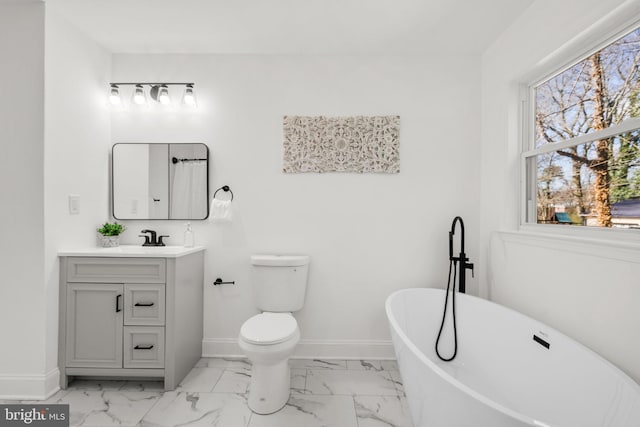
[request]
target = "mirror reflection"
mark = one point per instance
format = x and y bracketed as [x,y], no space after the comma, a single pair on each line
[160,181]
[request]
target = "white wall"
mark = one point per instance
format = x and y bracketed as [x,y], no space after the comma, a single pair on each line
[77,133]
[22,300]
[589,291]
[367,234]
[591,295]
[54,130]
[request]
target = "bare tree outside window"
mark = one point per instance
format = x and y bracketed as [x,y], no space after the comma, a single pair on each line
[586,179]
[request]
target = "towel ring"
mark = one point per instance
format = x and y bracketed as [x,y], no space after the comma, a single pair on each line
[224,188]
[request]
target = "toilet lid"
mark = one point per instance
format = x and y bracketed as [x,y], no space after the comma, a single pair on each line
[269,328]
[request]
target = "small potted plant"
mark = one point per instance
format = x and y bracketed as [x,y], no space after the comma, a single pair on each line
[111,234]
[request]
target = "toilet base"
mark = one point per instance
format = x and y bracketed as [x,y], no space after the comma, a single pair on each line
[270,375]
[269,388]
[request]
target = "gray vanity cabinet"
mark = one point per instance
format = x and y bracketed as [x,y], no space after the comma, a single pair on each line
[130,316]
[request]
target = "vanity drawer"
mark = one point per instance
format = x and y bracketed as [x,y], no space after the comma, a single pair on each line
[144,304]
[143,347]
[116,270]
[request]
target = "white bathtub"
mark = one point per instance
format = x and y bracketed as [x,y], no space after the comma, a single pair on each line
[501,376]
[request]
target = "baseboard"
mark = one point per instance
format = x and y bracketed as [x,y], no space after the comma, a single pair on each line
[29,387]
[310,349]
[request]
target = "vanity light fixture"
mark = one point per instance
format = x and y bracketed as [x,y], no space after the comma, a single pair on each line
[114,95]
[163,95]
[189,97]
[139,97]
[158,92]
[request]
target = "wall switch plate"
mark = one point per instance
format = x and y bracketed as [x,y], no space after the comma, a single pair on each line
[74,204]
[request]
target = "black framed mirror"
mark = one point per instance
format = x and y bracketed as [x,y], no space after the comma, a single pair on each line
[160,181]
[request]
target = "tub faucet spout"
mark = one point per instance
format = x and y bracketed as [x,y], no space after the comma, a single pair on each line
[462,257]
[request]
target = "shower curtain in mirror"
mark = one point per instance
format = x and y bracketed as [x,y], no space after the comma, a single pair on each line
[189,191]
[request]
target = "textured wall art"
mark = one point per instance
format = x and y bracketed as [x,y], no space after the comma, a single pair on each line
[341,144]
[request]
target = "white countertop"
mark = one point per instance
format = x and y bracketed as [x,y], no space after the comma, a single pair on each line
[133,251]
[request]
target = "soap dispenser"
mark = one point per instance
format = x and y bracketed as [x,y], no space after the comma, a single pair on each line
[189,239]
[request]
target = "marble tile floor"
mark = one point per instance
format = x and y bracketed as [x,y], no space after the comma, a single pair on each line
[324,393]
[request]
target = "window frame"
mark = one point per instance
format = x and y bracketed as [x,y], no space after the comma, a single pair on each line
[528,150]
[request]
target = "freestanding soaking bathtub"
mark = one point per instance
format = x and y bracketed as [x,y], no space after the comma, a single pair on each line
[510,370]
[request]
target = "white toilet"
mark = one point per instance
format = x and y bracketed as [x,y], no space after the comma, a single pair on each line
[269,338]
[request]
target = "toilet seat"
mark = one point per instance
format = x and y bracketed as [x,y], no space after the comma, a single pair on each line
[269,328]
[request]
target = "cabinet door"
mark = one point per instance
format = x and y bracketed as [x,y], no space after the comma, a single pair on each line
[94,325]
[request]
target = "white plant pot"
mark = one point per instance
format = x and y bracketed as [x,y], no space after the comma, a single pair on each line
[110,241]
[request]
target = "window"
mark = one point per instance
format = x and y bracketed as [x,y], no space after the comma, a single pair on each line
[582,163]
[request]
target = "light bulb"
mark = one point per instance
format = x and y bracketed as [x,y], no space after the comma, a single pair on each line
[189,97]
[163,95]
[139,97]
[114,95]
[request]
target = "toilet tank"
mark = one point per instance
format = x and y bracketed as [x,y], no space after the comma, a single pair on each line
[279,281]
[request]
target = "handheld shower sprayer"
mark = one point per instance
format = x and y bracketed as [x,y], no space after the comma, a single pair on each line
[453,267]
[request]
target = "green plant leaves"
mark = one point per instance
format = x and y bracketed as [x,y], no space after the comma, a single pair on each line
[109,229]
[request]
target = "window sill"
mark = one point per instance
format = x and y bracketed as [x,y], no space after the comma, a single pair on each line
[621,245]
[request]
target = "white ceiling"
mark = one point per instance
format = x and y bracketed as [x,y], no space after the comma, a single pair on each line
[292,26]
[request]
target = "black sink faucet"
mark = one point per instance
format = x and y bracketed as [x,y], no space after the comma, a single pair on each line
[152,239]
